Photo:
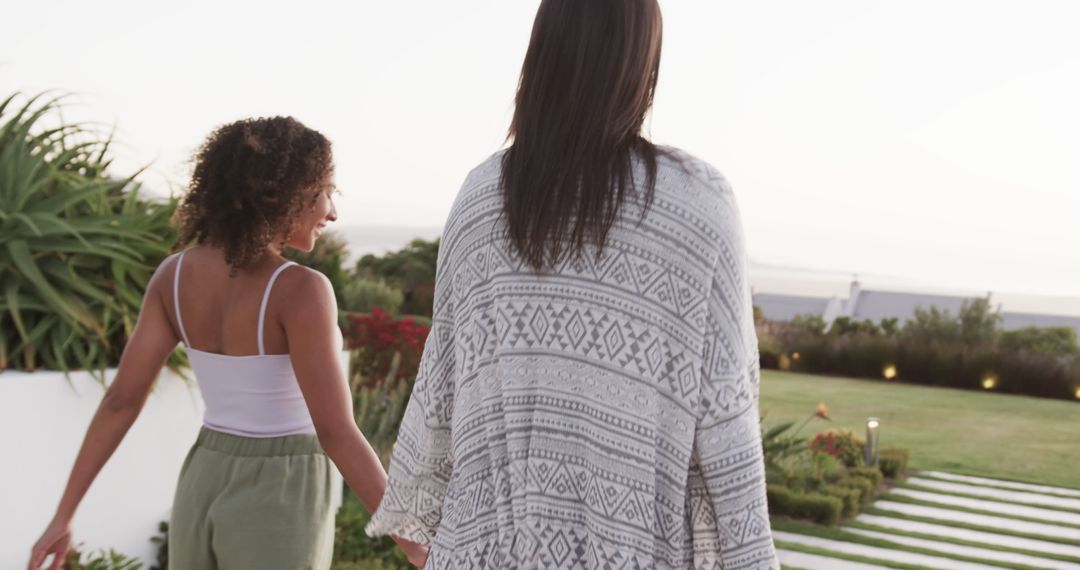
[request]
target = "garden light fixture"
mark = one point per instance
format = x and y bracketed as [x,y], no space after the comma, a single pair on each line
[889,372]
[989,381]
[872,441]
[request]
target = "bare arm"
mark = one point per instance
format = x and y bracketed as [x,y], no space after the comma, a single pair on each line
[315,345]
[146,352]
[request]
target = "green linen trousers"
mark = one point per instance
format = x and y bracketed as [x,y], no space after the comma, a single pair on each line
[245,503]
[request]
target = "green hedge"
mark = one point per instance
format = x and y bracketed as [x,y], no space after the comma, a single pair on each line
[872,474]
[865,487]
[851,496]
[893,462]
[821,509]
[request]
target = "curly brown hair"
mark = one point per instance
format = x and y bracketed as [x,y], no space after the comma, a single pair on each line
[251,180]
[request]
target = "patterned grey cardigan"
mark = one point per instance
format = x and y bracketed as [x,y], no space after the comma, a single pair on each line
[601,414]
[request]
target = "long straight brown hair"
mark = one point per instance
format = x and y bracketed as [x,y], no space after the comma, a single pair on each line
[586,85]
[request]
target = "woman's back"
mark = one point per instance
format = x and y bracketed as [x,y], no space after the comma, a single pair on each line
[220,309]
[236,344]
[602,413]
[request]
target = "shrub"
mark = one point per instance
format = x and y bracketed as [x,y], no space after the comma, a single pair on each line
[100,560]
[327,257]
[778,445]
[1049,341]
[872,474]
[821,509]
[386,350]
[1038,374]
[851,497]
[379,411]
[893,462]
[938,349]
[412,269]
[844,445]
[355,549]
[865,487]
[161,541]
[78,245]
[365,295]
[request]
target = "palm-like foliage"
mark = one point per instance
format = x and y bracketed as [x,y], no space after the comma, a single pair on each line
[77,247]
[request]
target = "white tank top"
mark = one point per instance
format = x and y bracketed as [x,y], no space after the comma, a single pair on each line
[250,396]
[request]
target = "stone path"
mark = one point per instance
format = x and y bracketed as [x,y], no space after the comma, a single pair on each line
[1044,489]
[1008,509]
[970,551]
[1053,532]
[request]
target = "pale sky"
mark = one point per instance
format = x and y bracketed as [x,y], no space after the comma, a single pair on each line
[932,140]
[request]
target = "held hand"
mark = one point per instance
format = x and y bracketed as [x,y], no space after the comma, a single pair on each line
[417,553]
[56,540]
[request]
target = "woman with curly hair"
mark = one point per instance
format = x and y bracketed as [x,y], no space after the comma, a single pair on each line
[262,337]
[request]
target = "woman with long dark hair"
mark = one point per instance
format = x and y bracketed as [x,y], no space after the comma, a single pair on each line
[256,489]
[588,396]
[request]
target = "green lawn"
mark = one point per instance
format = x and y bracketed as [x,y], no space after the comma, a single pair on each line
[975,433]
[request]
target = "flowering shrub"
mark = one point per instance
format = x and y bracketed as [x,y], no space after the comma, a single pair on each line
[844,445]
[386,350]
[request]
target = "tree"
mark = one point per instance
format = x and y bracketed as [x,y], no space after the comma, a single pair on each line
[1053,341]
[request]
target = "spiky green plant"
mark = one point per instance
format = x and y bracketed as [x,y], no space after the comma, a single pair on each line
[77,246]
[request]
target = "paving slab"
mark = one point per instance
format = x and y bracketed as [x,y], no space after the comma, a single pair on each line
[806,561]
[969,551]
[994,522]
[880,553]
[1027,498]
[1007,509]
[1047,489]
[1031,544]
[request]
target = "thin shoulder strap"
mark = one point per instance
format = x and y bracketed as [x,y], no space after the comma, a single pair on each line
[266,299]
[176,297]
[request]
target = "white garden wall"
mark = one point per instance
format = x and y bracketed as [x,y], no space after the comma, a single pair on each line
[43,418]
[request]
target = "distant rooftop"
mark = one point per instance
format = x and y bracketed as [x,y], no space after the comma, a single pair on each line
[880,304]
[786,307]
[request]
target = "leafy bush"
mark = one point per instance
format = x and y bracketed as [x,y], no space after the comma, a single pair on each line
[79,245]
[1038,374]
[866,488]
[385,360]
[100,560]
[412,269]
[777,446]
[379,411]
[975,326]
[821,509]
[893,462]
[161,541]
[327,257]
[850,497]
[353,549]
[385,349]
[871,474]
[844,445]
[938,349]
[365,295]
[1049,341]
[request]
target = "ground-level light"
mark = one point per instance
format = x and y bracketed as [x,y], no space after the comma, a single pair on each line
[872,425]
[889,372]
[989,381]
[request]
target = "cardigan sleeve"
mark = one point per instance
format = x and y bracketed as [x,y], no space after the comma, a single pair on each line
[421,463]
[726,483]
